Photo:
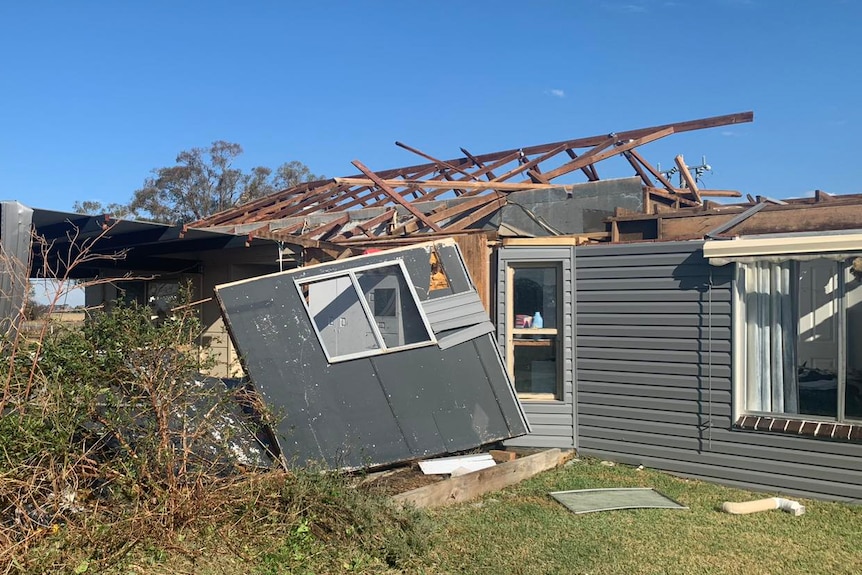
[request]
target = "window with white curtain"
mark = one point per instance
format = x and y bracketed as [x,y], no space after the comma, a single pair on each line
[800,326]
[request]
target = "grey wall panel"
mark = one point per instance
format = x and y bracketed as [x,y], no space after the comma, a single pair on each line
[640,401]
[651,319]
[685,273]
[741,467]
[638,392]
[636,427]
[745,479]
[633,415]
[558,419]
[457,318]
[657,306]
[544,407]
[448,339]
[542,441]
[674,258]
[654,376]
[655,368]
[550,430]
[653,343]
[453,306]
[638,295]
[468,317]
[665,355]
[610,376]
[790,445]
[636,283]
[427,404]
[696,332]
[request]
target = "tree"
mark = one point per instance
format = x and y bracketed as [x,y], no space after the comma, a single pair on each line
[94,207]
[203,182]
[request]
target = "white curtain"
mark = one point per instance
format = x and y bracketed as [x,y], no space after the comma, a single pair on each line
[770,337]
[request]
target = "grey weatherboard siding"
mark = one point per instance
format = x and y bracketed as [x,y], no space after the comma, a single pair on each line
[653,357]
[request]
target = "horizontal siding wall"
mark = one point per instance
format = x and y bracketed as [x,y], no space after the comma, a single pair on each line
[654,376]
[551,422]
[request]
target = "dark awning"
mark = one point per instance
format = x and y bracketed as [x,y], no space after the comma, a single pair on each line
[147,246]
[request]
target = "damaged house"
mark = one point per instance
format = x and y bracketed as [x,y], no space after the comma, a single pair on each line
[636,319]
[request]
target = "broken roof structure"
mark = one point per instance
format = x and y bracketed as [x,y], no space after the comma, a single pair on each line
[445,197]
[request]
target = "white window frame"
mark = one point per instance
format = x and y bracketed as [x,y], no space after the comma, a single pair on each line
[369,314]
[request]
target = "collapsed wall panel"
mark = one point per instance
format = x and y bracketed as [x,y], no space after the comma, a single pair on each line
[363,363]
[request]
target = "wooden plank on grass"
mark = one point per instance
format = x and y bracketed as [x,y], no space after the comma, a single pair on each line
[502,456]
[466,487]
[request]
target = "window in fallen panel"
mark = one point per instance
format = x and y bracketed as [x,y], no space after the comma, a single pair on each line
[338,315]
[366,311]
[386,290]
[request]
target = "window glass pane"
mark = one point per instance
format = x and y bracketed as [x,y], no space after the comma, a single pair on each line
[535,291]
[337,312]
[817,347]
[162,297]
[133,292]
[853,290]
[395,310]
[535,364]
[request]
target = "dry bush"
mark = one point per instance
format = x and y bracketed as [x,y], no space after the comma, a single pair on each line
[109,415]
[112,445]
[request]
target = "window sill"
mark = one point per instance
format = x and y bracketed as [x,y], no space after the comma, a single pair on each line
[801,427]
[536,397]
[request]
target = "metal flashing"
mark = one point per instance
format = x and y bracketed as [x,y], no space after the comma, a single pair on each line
[775,246]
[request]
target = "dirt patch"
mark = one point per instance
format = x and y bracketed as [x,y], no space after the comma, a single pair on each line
[398,480]
[407,477]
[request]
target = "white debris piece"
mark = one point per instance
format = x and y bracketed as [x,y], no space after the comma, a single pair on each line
[448,465]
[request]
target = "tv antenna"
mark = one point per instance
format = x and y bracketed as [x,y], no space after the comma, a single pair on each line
[696,171]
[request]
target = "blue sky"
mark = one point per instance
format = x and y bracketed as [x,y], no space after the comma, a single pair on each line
[96,94]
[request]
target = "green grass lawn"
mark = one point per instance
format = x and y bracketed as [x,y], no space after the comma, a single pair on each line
[522,530]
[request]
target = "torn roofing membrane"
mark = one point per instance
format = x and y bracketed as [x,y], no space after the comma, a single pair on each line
[372,360]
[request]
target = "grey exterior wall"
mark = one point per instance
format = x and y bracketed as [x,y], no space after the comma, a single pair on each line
[15,222]
[654,376]
[552,422]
